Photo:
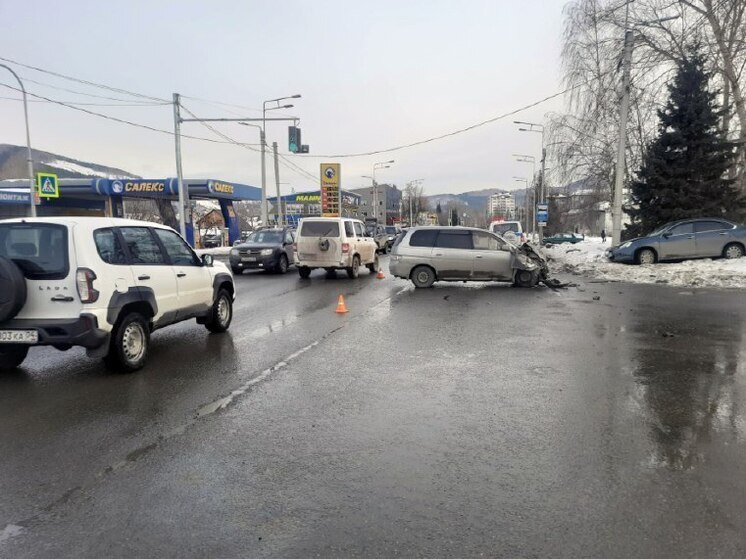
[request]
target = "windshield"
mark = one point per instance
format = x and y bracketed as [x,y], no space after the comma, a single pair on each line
[504,227]
[391,230]
[39,250]
[319,229]
[268,237]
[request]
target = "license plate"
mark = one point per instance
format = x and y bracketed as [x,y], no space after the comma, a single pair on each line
[19,336]
[249,259]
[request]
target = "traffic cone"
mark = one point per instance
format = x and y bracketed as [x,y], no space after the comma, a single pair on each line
[341,307]
[380,274]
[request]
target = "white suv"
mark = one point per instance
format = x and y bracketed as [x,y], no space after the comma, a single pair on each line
[334,243]
[103,284]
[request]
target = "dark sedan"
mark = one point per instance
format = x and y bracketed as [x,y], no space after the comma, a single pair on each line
[266,249]
[682,240]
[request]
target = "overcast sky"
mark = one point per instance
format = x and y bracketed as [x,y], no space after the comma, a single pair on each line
[373,75]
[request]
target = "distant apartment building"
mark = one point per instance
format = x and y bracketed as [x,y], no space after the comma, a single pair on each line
[388,199]
[501,204]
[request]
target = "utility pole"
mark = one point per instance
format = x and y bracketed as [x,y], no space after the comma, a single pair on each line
[263,141]
[29,157]
[185,212]
[616,211]
[280,216]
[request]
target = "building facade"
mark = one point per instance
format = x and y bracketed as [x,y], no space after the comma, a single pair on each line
[502,204]
[382,202]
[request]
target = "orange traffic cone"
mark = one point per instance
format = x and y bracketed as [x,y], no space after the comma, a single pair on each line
[341,307]
[380,274]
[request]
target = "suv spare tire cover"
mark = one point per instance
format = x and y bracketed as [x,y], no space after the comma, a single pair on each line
[12,289]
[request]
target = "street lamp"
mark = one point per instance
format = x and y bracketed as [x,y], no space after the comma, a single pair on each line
[263,141]
[29,157]
[377,166]
[539,129]
[522,158]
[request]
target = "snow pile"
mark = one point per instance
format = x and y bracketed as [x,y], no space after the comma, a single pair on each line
[218,251]
[80,169]
[588,258]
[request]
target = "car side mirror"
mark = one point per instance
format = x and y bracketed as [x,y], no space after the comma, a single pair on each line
[666,235]
[207,260]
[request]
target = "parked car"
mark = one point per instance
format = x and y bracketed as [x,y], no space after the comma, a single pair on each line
[334,243]
[378,232]
[212,240]
[392,232]
[560,238]
[103,284]
[266,249]
[429,254]
[682,240]
[511,231]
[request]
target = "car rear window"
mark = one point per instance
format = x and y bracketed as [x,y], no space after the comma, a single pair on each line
[423,238]
[504,227]
[703,226]
[454,239]
[38,249]
[319,229]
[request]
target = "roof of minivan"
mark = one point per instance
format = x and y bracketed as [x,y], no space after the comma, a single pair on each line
[88,222]
[444,227]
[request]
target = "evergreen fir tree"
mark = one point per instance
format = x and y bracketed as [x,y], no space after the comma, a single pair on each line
[683,174]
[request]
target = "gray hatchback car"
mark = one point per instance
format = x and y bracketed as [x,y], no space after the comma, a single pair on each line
[429,254]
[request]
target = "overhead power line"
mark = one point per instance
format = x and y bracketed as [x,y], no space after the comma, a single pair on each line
[112,118]
[447,134]
[84,104]
[86,82]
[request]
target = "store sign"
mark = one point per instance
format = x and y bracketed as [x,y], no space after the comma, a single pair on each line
[221,187]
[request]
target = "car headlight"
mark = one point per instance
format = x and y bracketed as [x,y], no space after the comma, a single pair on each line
[626,245]
[267,251]
[234,252]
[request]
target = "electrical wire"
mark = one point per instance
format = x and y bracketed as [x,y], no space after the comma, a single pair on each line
[113,118]
[86,82]
[77,92]
[447,134]
[84,104]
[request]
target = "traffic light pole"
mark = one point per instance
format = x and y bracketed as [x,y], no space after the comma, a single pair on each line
[279,213]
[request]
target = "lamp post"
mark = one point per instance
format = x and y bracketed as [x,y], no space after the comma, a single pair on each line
[539,129]
[521,158]
[263,141]
[29,157]
[377,166]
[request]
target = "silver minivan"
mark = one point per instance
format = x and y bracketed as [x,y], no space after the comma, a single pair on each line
[429,254]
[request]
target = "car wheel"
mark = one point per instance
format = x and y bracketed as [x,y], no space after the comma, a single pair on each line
[129,344]
[646,257]
[388,249]
[733,250]
[304,272]
[354,271]
[373,266]
[221,314]
[11,357]
[422,276]
[236,271]
[526,278]
[282,267]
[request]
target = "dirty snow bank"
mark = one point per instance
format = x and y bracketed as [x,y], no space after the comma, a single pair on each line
[588,259]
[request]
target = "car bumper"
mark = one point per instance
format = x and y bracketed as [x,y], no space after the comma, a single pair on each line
[399,268]
[342,263]
[82,331]
[261,262]
[620,255]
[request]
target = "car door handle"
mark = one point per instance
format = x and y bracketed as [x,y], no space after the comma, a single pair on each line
[723,234]
[478,256]
[438,254]
[143,278]
[690,237]
[62,298]
[180,275]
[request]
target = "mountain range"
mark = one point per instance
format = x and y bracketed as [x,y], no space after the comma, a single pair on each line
[13,165]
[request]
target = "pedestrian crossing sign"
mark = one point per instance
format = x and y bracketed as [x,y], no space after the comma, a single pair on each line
[47,185]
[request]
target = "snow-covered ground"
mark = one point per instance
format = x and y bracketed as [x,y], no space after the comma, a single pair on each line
[588,258]
[219,251]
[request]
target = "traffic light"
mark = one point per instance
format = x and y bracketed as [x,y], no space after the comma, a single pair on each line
[294,145]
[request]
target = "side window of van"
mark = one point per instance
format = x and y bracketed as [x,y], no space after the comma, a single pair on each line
[349,231]
[359,229]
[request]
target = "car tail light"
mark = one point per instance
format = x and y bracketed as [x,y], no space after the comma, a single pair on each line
[345,248]
[84,278]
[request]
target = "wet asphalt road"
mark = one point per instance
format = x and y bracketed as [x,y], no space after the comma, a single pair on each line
[606,420]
